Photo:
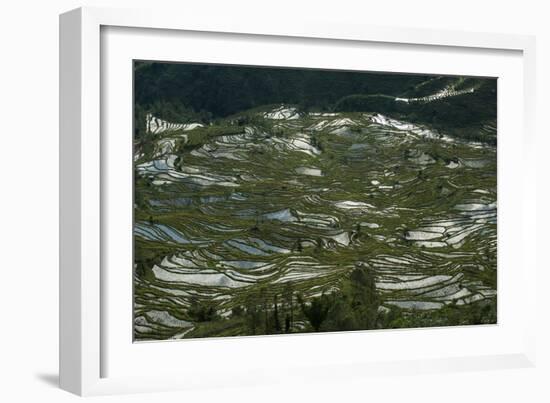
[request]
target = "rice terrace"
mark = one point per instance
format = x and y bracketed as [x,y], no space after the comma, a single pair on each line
[276,200]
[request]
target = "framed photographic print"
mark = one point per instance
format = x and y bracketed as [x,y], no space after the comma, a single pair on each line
[231,197]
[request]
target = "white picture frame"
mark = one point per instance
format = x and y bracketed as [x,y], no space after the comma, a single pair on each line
[85,343]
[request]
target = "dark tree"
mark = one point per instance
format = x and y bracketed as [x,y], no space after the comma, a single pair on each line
[316,311]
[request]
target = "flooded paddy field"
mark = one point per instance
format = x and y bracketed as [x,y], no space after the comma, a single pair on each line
[282,221]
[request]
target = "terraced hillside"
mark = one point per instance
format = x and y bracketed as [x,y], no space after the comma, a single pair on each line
[279,221]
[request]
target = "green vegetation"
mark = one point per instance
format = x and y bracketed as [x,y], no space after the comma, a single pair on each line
[203,93]
[226,90]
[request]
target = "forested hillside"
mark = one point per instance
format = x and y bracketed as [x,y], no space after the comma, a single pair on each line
[195,92]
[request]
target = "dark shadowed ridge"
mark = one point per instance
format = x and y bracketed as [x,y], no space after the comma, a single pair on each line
[180,92]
